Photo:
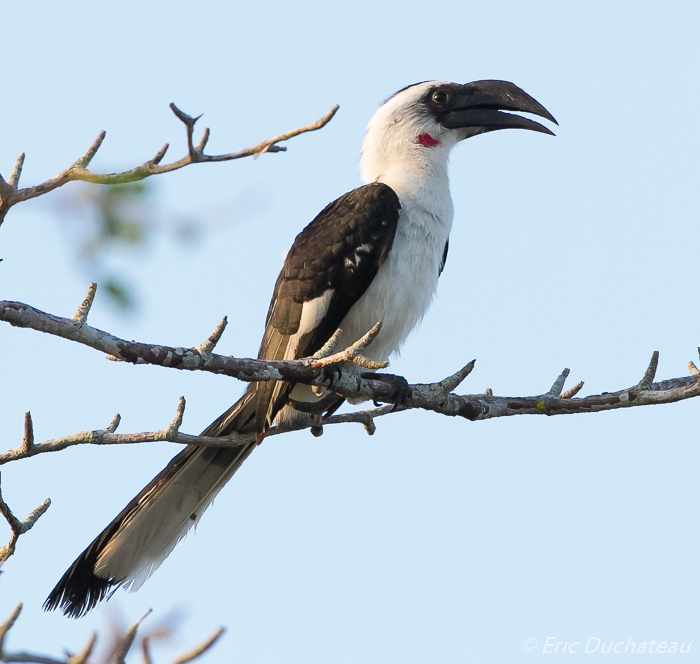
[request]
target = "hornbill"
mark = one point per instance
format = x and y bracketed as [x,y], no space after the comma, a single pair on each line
[374,254]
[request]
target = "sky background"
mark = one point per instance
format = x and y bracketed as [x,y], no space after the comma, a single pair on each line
[436,540]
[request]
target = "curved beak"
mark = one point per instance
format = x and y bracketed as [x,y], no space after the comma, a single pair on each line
[480,105]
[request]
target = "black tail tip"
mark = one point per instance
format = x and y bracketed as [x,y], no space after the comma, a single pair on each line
[78,592]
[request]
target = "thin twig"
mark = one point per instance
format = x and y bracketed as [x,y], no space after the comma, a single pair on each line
[18,527]
[170,434]
[122,647]
[7,625]
[201,649]
[10,194]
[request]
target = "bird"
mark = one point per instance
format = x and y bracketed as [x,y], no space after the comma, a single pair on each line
[373,255]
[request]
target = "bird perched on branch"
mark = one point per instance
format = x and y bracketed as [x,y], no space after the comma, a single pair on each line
[374,254]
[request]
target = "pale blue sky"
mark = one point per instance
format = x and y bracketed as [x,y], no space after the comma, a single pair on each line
[437,540]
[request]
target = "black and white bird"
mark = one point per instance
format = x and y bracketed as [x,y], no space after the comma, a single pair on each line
[375,254]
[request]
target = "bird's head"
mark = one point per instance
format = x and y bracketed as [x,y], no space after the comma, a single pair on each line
[418,126]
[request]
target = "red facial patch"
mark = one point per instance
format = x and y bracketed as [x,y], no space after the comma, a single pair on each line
[427,141]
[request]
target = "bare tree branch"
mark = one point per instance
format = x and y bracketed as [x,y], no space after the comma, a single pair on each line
[18,527]
[117,654]
[172,434]
[437,397]
[10,194]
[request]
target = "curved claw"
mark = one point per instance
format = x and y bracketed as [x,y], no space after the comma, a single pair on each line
[399,388]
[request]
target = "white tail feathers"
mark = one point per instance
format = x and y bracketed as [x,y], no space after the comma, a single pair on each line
[165,515]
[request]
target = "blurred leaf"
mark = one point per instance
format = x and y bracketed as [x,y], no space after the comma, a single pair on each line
[122,215]
[130,232]
[107,225]
[118,293]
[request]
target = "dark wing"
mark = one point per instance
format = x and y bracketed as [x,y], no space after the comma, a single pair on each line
[443,260]
[330,265]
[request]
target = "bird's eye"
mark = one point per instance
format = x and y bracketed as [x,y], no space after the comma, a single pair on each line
[440,97]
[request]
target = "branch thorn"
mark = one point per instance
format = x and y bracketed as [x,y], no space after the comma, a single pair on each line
[558,386]
[124,646]
[183,117]
[28,437]
[85,160]
[161,153]
[571,393]
[649,374]
[16,173]
[206,347]
[114,358]
[81,313]
[203,141]
[174,427]
[452,382]
[112,426]
[200,650]
[82,656]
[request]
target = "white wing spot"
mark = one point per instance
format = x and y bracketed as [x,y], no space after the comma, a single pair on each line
[314,311]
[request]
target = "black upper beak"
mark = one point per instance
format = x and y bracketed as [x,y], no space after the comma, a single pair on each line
[480,105]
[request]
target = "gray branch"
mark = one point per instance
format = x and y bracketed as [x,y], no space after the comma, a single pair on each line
[18,527]
[117,652]
[11,194]
[172,434]
[437,397]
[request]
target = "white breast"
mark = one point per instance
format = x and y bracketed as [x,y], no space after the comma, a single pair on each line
[405,285]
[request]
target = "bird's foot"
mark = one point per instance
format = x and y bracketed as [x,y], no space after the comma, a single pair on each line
[331,374]
[399,387]
[317,427]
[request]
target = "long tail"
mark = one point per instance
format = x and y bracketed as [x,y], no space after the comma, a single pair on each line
[144,533]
